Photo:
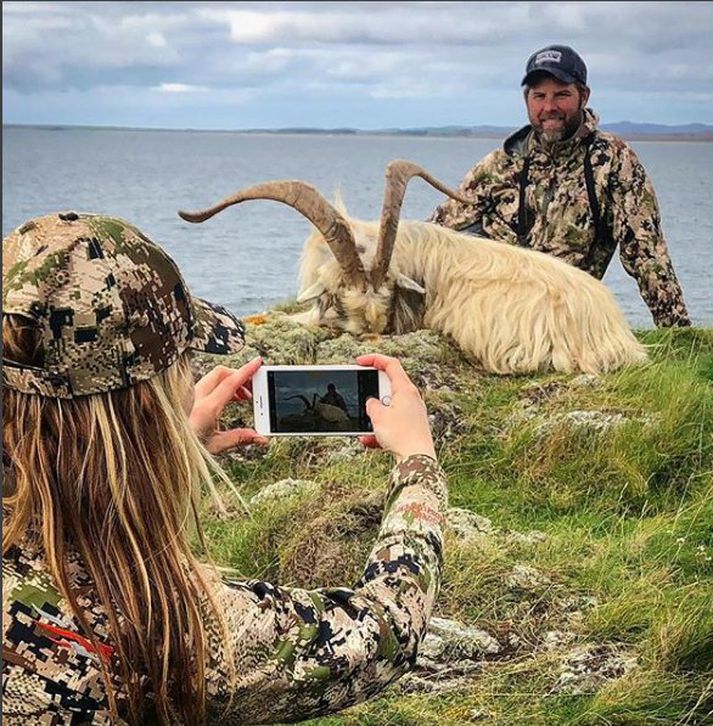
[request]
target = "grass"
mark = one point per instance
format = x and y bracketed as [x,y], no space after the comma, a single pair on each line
[626,512]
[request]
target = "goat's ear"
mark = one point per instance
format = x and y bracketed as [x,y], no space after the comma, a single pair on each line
[339,204]
[312,292]
[409,284]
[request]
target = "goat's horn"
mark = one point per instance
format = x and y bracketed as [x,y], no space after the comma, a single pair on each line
[311,204]
[398,174]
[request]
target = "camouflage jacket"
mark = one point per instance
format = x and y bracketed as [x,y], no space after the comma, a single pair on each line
[297,653]
[558,217]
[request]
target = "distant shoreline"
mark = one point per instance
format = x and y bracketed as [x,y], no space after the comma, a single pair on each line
[430,133]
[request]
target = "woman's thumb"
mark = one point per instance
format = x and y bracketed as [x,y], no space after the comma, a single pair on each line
[373,407]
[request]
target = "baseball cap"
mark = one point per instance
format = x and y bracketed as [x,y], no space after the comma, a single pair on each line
[561,61]
[110,305]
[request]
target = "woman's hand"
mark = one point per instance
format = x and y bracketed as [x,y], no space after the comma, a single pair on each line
[402,427]
[212,394]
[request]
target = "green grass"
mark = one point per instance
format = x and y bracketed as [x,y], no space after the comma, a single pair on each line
[627,513]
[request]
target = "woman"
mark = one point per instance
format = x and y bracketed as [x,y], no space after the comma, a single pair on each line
[108,615]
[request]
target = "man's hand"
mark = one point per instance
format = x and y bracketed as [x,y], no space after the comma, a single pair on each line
[212,394]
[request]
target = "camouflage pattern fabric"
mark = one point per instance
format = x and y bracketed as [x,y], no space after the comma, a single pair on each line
[560,216]
[297,653]
[110,304]
[51,671]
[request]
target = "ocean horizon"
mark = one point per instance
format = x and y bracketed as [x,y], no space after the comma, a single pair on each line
[247,258]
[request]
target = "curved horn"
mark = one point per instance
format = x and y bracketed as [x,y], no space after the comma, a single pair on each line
[311,204]
[398,174]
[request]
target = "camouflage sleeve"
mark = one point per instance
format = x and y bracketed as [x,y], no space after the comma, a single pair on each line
[642,247]
[301,653]
[455,214]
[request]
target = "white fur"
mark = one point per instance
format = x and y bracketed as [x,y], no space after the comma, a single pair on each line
[510,309]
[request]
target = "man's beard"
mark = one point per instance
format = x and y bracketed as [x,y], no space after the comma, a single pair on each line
[552,136]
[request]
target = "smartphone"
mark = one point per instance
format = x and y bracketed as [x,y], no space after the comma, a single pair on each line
[316,400]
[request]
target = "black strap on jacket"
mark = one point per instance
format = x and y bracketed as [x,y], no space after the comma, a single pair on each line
[602,234]
[591,189]
[522,227]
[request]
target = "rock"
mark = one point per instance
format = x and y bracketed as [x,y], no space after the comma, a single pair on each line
[586,380]
[446,420]
[596,421]
[573,607]
[415,683]
[466,524]
[282,341]
[578,603]
[450,653]
[514,641]
[524,577]
[531,538]
[535,394]
[479,714]
[282,490]
[587,668]
[250,452]
[350,448]
[449,641]
[555,639]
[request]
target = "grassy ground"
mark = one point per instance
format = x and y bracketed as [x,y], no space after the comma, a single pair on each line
[615,477]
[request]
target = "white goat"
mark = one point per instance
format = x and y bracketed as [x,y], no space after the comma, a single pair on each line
[326,411]
[511,310]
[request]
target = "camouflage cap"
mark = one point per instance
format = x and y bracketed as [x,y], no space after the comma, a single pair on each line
[111,306]
[560,61]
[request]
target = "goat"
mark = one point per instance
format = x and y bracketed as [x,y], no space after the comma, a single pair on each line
[323,410]
[316,416]
[510,309]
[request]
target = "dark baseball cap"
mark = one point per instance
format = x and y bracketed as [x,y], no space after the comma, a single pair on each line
[111,306]
[559,61]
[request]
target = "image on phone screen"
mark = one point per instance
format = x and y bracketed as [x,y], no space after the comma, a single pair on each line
[325,401]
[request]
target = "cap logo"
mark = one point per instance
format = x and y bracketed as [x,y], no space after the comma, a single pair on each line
[548,56]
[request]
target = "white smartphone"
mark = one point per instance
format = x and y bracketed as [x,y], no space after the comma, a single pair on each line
[316,400]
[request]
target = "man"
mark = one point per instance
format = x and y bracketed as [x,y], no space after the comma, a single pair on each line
[333,398]
[563,187]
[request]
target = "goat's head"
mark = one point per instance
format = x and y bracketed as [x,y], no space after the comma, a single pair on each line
[346,264]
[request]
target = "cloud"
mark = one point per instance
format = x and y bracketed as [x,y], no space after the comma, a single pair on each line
[179,88]
[157,40]
[290,57]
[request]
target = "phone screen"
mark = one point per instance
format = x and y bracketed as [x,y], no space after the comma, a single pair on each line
[326,401]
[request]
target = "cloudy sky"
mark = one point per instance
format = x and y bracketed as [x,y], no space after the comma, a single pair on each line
[357,64]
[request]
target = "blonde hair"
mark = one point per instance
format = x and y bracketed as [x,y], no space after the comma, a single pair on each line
[115,478]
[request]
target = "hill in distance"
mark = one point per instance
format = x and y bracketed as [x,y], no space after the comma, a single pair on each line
[626,129]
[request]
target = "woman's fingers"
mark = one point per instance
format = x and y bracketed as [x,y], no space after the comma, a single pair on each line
[211,379]
[370,442]
[228,387]
[225,440]
[391,366]
[243,394]
[403,426]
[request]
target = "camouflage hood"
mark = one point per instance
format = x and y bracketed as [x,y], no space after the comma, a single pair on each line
[523,139]
[111,306]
